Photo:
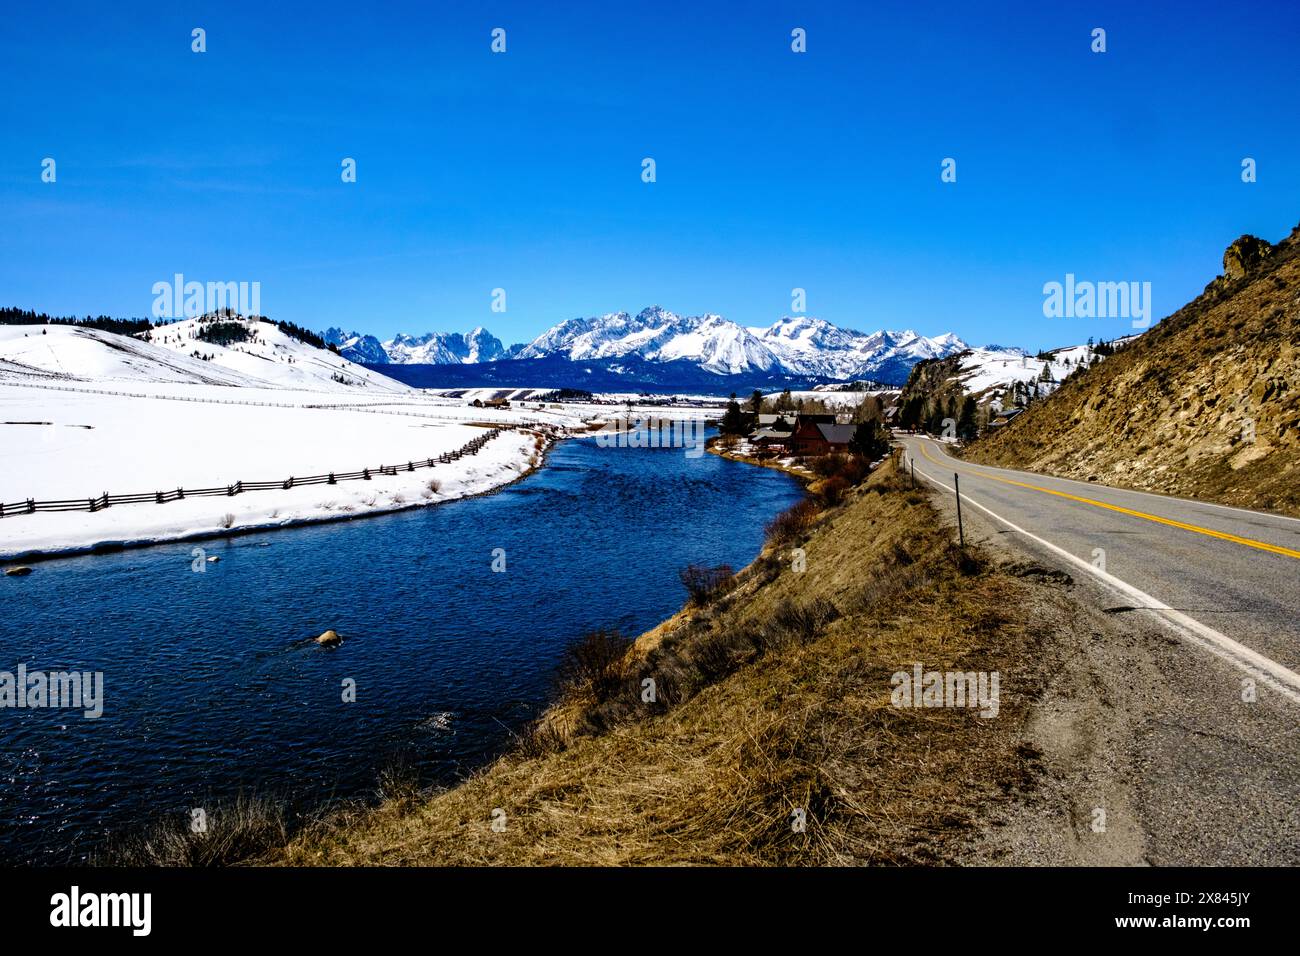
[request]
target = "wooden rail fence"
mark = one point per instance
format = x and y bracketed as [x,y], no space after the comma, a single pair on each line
[30,506]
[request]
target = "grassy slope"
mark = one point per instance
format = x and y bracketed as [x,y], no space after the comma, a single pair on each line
[778,698]
[1172,411]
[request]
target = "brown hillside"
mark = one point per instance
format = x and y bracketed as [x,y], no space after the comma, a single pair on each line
[1206,404]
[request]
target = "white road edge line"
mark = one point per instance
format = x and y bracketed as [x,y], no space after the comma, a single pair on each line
[1282,679]
[1097,486]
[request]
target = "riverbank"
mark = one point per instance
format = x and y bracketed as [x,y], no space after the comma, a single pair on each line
[769,733]
[790,466]
[75,447]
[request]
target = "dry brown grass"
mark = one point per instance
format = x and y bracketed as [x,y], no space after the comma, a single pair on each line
[773,699]
[230,833]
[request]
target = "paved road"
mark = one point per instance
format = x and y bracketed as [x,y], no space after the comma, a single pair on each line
[1225,579]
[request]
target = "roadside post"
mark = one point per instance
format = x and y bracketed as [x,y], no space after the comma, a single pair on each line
[961,535]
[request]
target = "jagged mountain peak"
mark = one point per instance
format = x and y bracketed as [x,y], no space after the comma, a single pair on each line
[796,346]
[444,348]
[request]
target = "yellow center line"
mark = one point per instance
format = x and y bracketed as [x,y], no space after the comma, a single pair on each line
[1248,542]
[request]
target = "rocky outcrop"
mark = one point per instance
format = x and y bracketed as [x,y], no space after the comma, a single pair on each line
[932,392]
[1245,256]
[1206,404]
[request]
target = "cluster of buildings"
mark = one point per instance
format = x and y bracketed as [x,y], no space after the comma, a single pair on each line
[798,434]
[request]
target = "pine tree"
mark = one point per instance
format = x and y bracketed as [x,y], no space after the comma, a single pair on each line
[733,420]
[966,427]
[870,440]
[910,414]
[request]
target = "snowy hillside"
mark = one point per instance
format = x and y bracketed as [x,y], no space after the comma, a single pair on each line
[266,358]
[992,373]
[266,354]
[58,352]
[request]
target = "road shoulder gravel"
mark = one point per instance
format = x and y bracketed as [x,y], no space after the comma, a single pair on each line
[1148,751]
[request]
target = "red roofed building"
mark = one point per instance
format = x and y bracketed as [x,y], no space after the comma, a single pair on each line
[820,438]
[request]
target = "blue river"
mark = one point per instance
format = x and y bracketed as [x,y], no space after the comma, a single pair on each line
[212,688]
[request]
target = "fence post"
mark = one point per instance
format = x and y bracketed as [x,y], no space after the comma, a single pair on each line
[31,506]
[961,535]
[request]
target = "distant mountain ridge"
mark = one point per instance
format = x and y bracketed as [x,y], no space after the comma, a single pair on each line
[794,347]
[432,348]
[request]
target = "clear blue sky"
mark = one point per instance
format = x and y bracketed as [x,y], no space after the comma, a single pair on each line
[522,170]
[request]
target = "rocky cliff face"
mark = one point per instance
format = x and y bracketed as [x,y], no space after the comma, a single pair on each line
[933,379]
[932,393]
[1206,404]
[1245,256]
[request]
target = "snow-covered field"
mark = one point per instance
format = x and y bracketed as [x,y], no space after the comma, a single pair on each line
[86,445]
[84,412]
[487,393]
[597,412]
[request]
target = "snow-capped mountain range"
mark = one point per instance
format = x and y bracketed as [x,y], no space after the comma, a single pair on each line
[800,346]
[432,348]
